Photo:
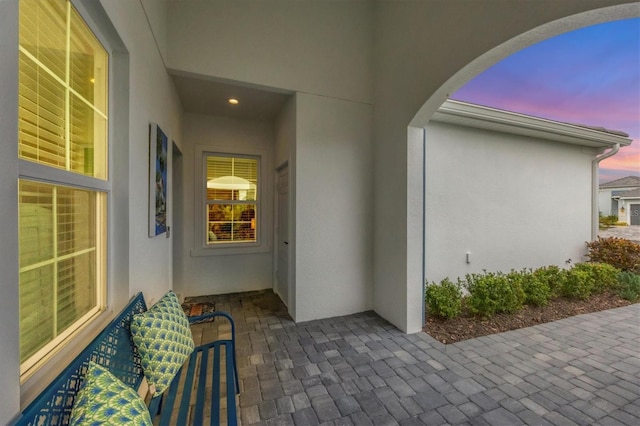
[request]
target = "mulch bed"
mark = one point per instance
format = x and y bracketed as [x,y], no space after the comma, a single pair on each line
[467,327]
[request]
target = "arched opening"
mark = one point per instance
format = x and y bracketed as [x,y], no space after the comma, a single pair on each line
[416,137]
[516,44]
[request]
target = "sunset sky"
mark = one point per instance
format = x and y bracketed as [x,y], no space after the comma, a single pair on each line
[589,76]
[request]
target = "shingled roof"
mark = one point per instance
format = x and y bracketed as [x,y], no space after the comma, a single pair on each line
[629,181]
[602,129]
[634,193]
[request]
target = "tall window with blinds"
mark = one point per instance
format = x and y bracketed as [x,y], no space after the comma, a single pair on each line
[231,200]
[62,140]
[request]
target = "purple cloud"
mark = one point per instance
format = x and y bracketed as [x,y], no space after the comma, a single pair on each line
[589,76]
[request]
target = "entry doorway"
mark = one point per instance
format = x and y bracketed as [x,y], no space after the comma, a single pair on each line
[177,217]
[282,235]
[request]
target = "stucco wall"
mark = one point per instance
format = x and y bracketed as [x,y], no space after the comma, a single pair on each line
[156,12]
[604,202]
[216,274]
[285,127]
[336,48]
[420,47]
[320,47]
[423,51]
[330,140]
[511,201]
[152,98]
[333,207]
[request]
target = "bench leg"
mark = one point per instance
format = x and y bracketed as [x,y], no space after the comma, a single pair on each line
[232,369]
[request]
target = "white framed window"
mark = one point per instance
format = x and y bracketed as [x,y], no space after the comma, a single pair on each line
[230,202]
[63,180]
[231,213]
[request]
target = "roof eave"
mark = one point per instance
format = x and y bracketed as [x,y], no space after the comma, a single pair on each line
[481,117]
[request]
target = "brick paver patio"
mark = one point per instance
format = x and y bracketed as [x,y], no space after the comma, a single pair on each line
[360,370]
[631,232]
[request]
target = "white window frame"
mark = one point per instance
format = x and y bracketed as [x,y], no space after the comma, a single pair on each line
[28,170]
[262,243]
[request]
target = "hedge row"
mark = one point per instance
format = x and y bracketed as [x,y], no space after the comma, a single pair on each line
[490,293]
[614,265]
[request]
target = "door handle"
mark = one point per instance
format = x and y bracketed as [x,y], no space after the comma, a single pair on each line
[286,242]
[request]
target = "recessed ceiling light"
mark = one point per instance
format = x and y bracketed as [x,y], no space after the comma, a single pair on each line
[234,101]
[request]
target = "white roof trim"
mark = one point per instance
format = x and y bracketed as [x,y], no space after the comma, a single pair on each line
[481,117]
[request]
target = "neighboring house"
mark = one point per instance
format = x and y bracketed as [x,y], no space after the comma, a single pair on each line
[612,192]
[629,206]
[506,190]
[334,100]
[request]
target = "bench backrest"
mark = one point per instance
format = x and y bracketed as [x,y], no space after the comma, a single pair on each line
[113,348]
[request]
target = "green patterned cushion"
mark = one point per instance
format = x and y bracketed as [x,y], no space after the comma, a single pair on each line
[105,400]
[164,341]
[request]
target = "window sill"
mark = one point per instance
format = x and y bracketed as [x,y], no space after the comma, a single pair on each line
[233,250]
[44,372]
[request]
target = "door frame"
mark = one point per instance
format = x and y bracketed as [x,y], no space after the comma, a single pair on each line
[276,251]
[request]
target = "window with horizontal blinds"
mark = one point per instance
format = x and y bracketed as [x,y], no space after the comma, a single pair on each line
[63,93]
[231,199]
[58,251]
[63,121]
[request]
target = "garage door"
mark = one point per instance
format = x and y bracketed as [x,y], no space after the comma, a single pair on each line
[635,214]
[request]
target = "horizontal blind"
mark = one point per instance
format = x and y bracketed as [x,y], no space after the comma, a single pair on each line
[36,229]
[76,290]
[232,193]
[43,33]
[88,65]
[36,309]
[41,126]
[58,254]
[232,178]
[62,113]
[63,93]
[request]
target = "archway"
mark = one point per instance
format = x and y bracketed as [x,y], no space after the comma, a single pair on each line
[415,139]
[516,44]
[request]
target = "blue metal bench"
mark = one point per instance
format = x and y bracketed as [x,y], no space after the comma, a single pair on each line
[113,348]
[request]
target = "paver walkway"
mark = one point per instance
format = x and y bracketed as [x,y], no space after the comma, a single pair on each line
[361,370]
[631,232]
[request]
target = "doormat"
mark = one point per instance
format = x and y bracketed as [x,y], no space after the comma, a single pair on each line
[194,308]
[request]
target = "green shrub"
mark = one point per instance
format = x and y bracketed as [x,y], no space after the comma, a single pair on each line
[444,299]
[629,286]
[515,300]
[579,283]
[536,289]
[604,275]
[608,221]
[554,277]
[619,252]
[492,293]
